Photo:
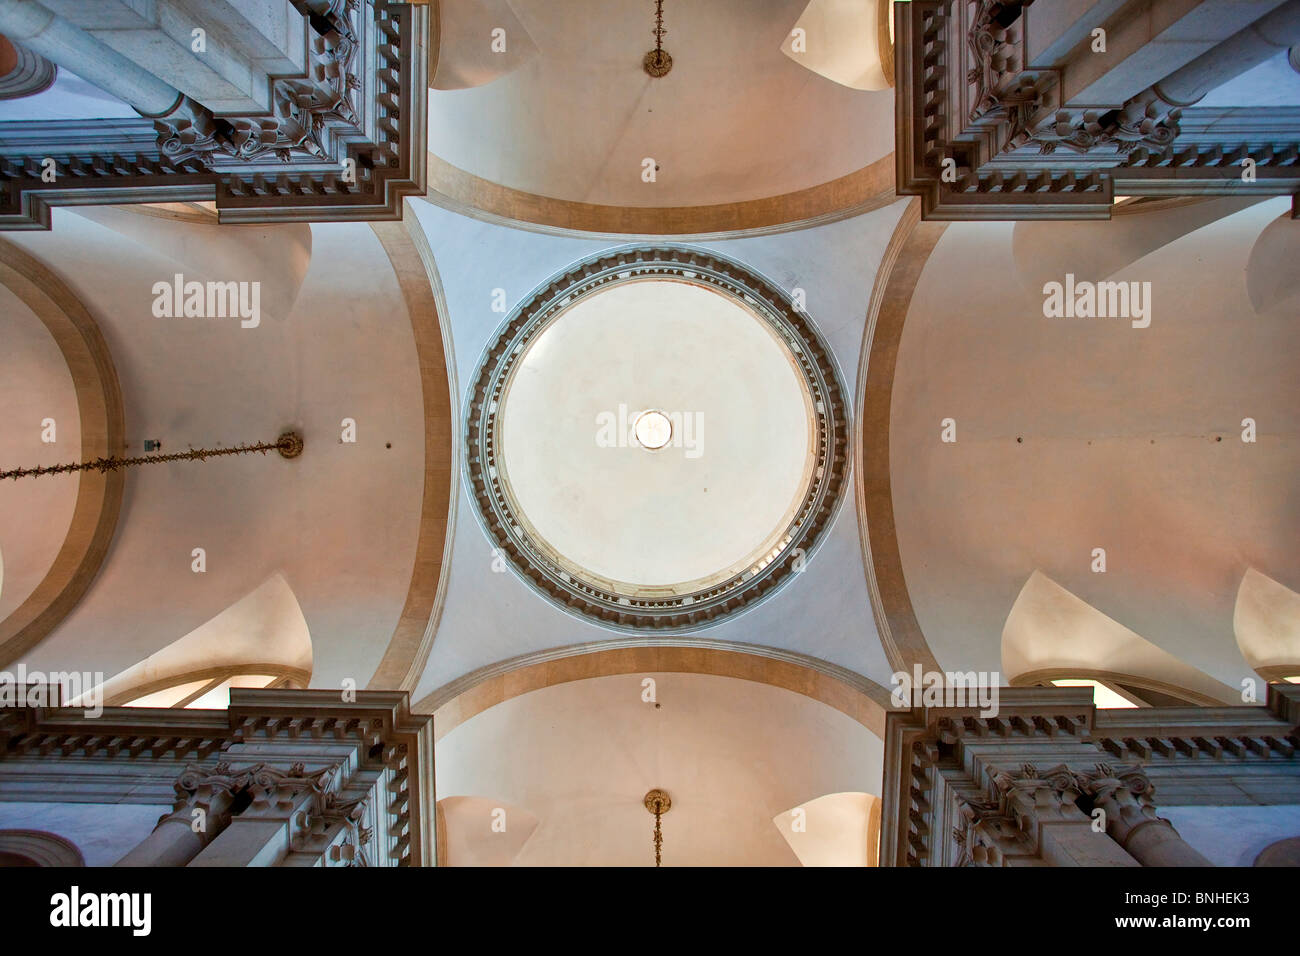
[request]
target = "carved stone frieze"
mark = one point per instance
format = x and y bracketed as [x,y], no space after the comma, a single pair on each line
[188,131]
[983,131]
[995,48]
[302,108]
[986,833]
[344,139]
[1145,121]
[353,787]
[1024,786]
[272,788]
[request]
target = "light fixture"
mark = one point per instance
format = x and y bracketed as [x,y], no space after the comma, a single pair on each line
[289,445]
[658,62]
[658,802]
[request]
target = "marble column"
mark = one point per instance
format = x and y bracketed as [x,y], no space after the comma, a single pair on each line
[1126,798]
[282,805]
[1044,805]
[202,812]
[1268,36]
[41,31]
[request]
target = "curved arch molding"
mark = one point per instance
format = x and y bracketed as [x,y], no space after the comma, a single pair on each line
[870,187]
[408,649]
[904,260]
[41,848]
[850,693]
[99,495]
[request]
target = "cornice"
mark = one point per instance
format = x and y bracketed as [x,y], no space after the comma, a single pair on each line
[298,178]
[151,747]
[966,95]
[936,752]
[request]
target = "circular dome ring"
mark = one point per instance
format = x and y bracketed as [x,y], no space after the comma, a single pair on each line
[594,599]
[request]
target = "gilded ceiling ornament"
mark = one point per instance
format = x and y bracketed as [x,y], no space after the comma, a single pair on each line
[658,61]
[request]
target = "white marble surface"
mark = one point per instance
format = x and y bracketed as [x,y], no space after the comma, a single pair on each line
[103,832]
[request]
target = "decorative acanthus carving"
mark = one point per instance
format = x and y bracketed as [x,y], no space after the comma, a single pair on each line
[1106,780]
[1004,89]
[271,788]
[985,833]
[317,828]
[995,52]
[302,108]
[993,829]
[1146,120]
[188,131]
[1125,794]
[1029,792]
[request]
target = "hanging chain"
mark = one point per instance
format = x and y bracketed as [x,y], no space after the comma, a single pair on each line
[658,802]
[658,61]
[659,838]
[289,445]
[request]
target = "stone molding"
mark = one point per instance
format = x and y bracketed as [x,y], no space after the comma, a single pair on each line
[497,511]
[853,695]
[363,768]
[959,788]
[967,94]
[413,263]
[103,429]
[858,192]
[32,74]
[362,99]
[43,849]
[901,267]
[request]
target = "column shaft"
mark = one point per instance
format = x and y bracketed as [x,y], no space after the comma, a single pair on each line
[33,26]
[1266,37]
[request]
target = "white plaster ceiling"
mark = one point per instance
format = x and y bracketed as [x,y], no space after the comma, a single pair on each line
[833,830]
[1076,434]
[1050,629]
[265,626]
[1266,620]
[340,523]
[478,42]
[579,757]
[838,40]
[723,489]
[734,120]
